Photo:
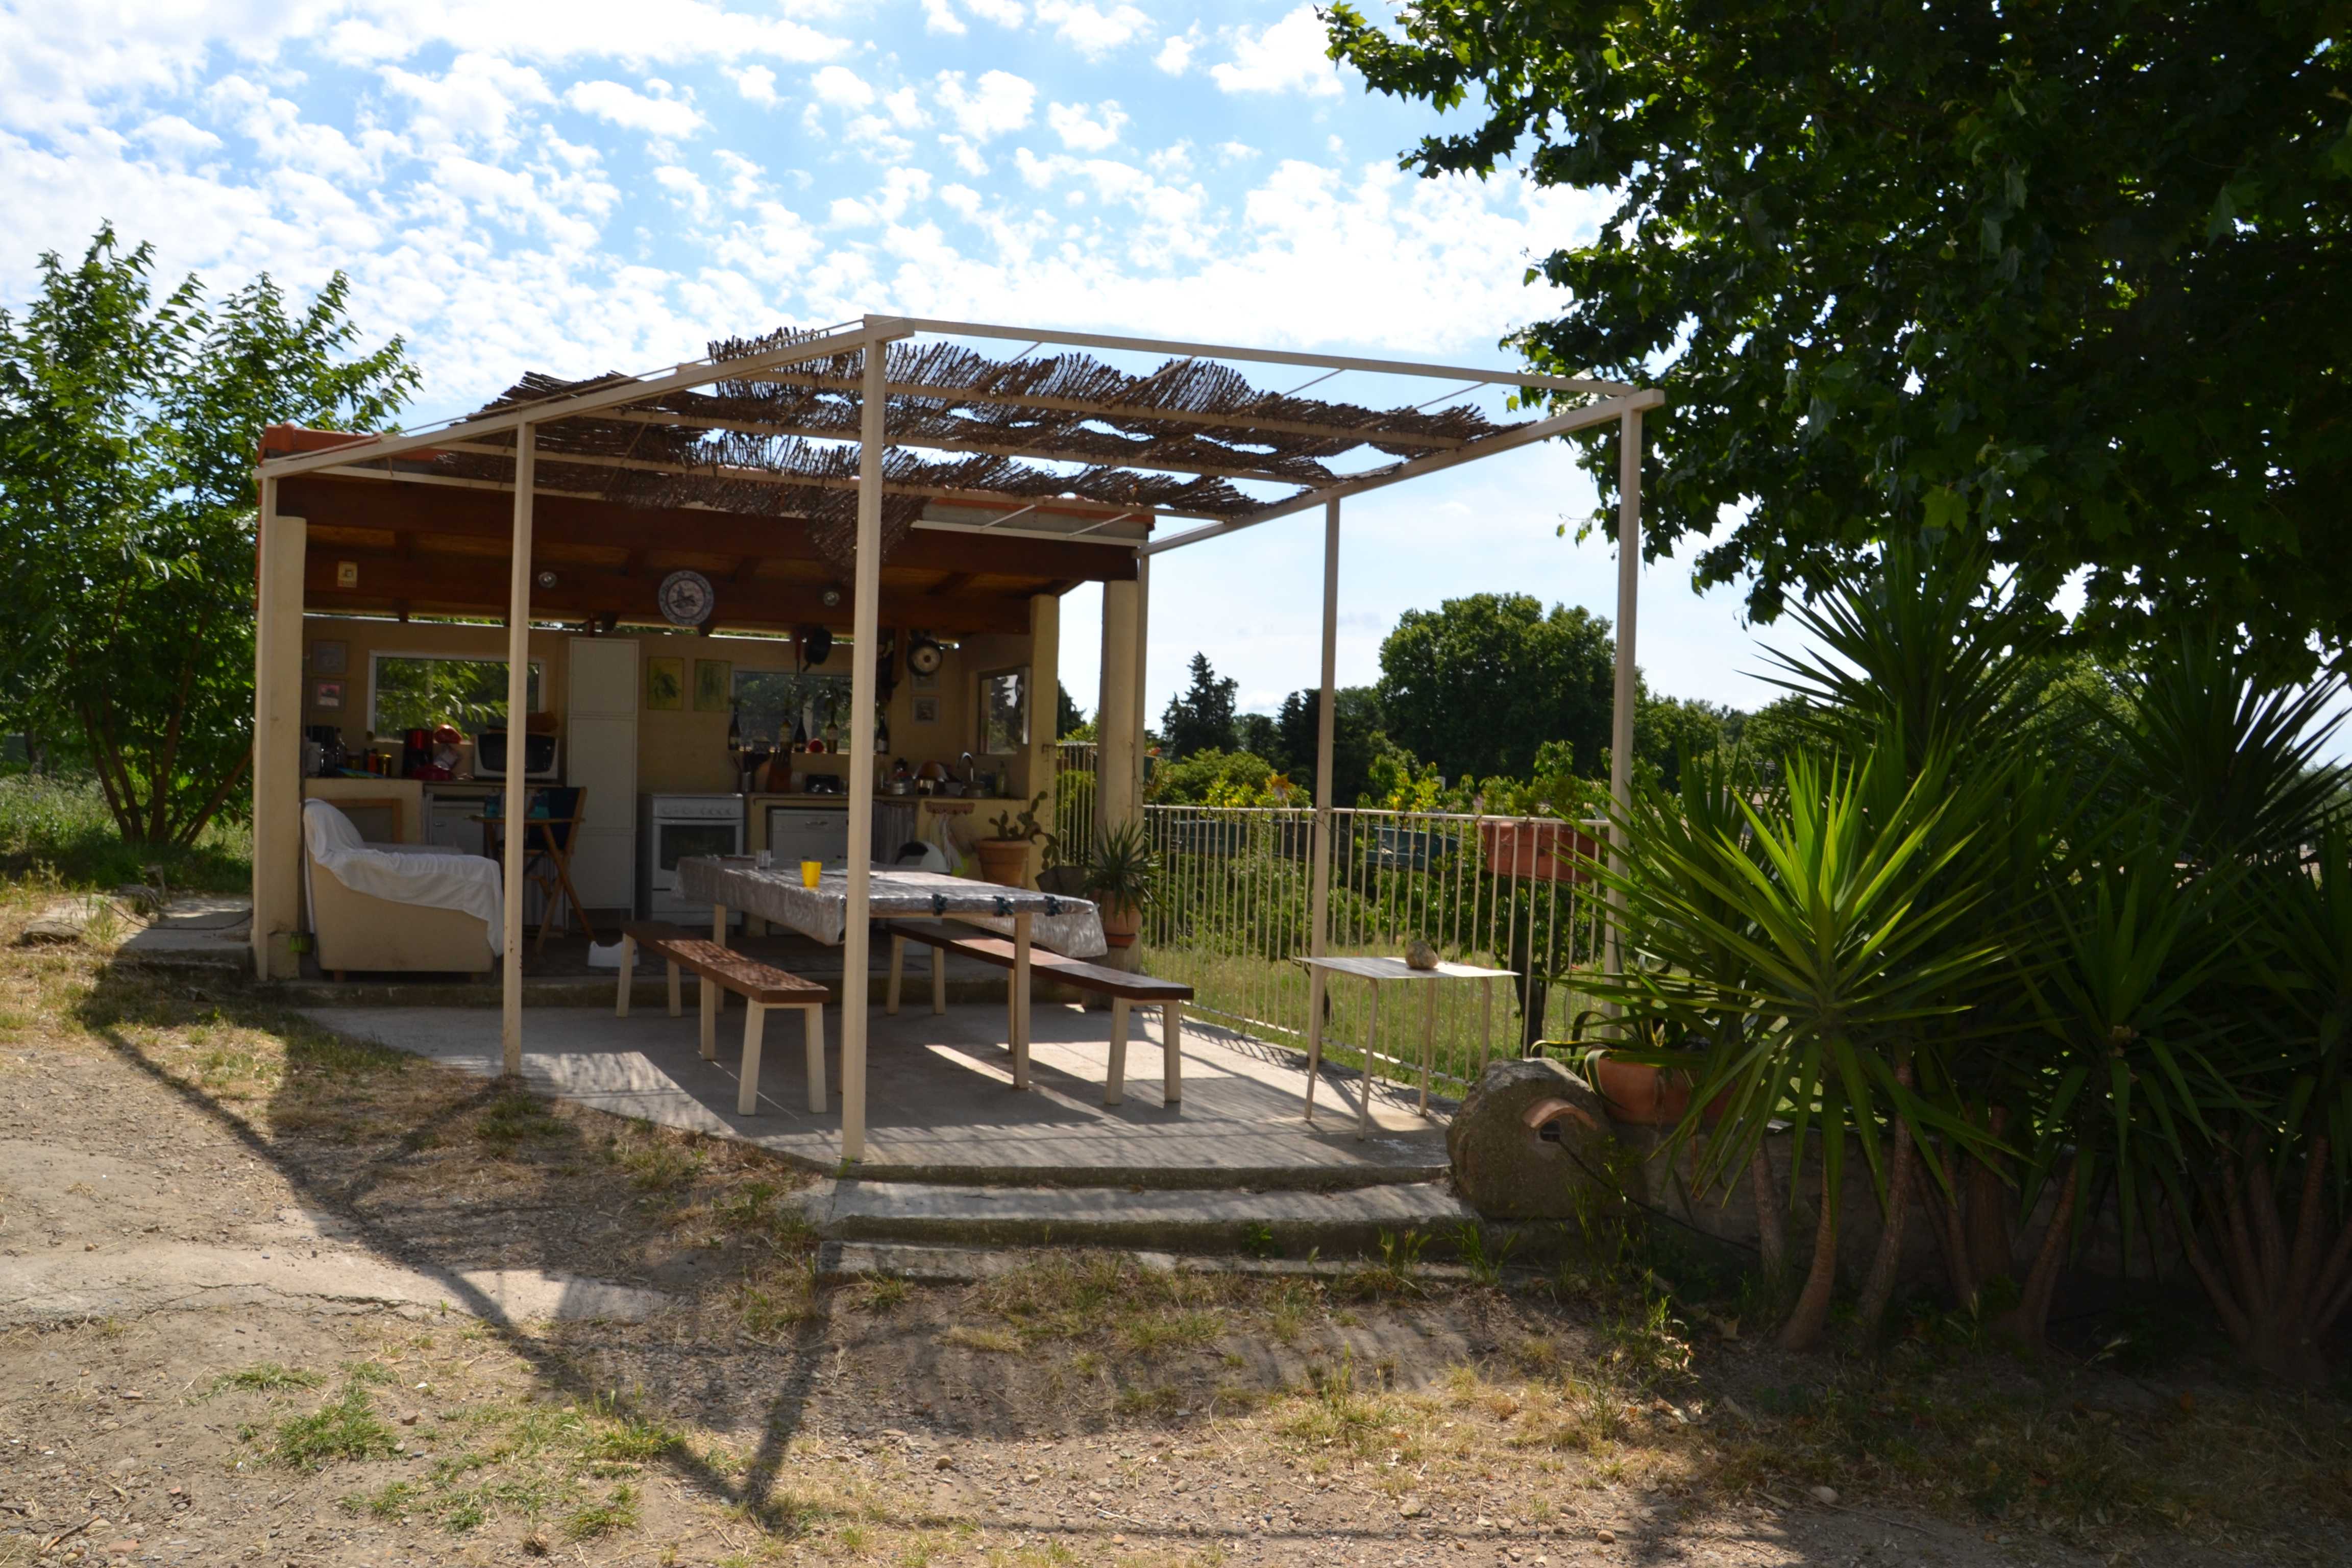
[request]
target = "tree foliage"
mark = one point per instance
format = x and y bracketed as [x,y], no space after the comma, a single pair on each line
[2062,277]
[1201,719]
[129,426]
[1479,684]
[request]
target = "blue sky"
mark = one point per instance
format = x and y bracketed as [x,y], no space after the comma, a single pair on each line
[594,185]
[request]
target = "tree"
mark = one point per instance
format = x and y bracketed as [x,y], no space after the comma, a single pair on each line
[1356,736]
[1668,729]
[1068,717]
[1203,717]
[129,427]
[2061,277]
[1476,686]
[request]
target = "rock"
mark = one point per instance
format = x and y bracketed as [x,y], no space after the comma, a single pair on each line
[1604,1536]
[1411,1508]
[1825,1496]
[1506,1168]
[1419,954]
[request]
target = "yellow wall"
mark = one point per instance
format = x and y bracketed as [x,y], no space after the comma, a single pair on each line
[686,751]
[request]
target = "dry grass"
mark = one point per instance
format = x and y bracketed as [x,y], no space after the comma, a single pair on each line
[1557,1406]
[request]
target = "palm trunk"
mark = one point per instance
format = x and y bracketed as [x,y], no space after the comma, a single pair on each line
[1811,1315]
[2277,1298]
[1950,1224]
[1886,1264]
[2027,1324]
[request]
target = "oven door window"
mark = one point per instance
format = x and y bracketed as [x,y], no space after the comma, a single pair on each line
[679,839]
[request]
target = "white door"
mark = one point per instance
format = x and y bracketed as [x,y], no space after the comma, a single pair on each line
[600,753]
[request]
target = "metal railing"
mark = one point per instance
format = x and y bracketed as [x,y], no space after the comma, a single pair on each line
[1503,892]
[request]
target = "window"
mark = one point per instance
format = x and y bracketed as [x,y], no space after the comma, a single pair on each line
[1003,713]
[768,702]
[416,690]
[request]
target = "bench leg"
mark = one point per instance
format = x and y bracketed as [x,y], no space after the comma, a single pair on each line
[755,1027]
[812,1019]
[938,980]
[1115,1082]
[1315,984]
[707,994]
[675,1007]
[1019,1000]
[897,975]
[1172,1047]
[628,973]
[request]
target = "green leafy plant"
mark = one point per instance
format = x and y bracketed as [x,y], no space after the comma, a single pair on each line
[1122,869]
[1024,828]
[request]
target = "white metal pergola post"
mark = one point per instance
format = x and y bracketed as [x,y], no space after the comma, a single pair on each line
[865,615]
[517,792]
[1320,932]
[1621,726]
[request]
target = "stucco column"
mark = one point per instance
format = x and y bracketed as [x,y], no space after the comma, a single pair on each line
[1044,713]
[1117,716]
[277,911]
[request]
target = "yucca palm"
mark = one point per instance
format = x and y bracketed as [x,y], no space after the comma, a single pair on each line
[1808,949]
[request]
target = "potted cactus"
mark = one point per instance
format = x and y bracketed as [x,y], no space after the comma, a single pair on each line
[1004,853]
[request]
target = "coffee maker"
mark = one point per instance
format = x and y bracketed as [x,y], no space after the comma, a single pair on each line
[329,739]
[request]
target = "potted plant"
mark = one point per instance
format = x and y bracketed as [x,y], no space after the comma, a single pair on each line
[1004,853]
[1121,875]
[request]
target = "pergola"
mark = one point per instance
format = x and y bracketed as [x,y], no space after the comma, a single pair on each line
[888,448]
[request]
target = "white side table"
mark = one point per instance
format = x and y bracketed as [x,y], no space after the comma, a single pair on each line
[1376,972]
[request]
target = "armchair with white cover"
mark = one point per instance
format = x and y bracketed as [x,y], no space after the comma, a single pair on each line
[402,907]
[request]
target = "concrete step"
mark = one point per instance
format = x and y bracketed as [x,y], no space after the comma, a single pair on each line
[839,1262]
[1288,1224]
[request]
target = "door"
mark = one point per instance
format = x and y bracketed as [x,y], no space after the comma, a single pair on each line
[600,752]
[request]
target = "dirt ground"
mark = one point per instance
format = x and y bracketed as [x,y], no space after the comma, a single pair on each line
[267,1296]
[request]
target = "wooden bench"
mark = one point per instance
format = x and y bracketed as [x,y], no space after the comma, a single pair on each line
[722,969]
[1125,991]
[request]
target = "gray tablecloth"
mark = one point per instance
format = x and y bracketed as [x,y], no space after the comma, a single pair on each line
[1068,926]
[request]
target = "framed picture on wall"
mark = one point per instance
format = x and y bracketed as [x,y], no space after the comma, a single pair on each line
[328,657]
[665,685]
[714,685]
[326,694]
[927,710]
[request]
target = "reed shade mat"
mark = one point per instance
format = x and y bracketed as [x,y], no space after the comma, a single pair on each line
[1071,926]
[1377,972]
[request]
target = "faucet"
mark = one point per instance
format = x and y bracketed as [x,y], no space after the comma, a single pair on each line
[970,770]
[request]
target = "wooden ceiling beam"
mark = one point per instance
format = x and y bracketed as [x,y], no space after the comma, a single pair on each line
[953,583]
[490,514]
[388,583]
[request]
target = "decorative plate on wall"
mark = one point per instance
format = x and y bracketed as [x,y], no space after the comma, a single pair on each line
[686,598]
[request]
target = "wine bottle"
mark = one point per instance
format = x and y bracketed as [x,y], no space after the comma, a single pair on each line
[881,729]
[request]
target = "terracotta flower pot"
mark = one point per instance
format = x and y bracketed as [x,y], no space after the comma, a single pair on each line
[1121,923]
[1644,1096]
[1004,862]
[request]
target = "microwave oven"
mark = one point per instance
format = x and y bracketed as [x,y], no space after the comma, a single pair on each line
[540,755]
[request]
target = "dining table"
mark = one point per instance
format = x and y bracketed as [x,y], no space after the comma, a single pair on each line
[780,895]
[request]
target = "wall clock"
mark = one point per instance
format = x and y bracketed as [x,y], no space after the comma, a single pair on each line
[686,598]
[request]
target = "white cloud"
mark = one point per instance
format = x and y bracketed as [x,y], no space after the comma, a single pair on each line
[477,99]
[757,84]
[901,189]
[176,138]
[1003,13]
[1175,55]
[905,107]
[686,189]
[282,137]
[967,156]
[939,17]
[840,85]
[1284,57]
[668,118]
[1083,131]
[1088,29]
[1000,102]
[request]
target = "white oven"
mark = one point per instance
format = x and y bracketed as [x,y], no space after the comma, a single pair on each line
[672,827]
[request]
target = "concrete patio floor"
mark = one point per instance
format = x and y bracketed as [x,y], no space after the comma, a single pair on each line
[939,1102]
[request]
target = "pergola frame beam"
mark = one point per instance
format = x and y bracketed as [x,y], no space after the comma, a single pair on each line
[1526,435]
